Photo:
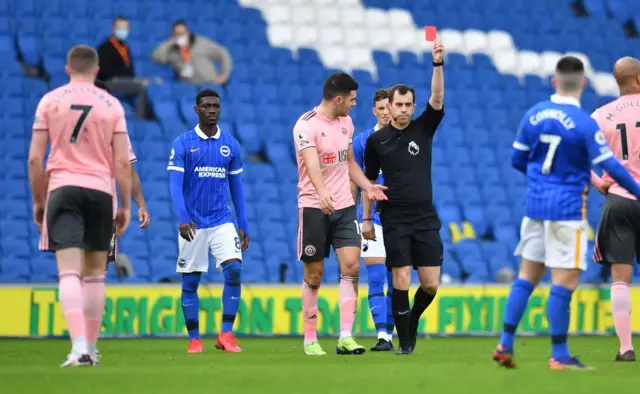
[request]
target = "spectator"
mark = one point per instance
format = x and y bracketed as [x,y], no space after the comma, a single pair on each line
[116,66]
[192,56]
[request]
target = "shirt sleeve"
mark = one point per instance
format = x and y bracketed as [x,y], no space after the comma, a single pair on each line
[176,159]
[522,142]
[350,128]
[235,167]
[371,160]
[41,121]
[430,119]
[120,125]
[304,136]
[132,155]
[597,147]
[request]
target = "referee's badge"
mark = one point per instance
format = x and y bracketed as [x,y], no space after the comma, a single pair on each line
[310,250]
[414,149]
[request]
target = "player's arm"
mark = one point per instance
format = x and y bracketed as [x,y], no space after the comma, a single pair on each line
[521,147]
[237,194]
[176,180]
[122,174]
[600,155]
[37,177]
[372,168]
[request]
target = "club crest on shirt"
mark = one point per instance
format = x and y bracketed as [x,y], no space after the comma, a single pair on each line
[225,151]
[182,263]
[344,131]
[414,149]
[310,250]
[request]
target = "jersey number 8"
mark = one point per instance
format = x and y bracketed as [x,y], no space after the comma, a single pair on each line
[554,142]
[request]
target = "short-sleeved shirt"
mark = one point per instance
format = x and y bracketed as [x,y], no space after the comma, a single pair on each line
[563,143]
[331,138]
[81,121]
[207,163]
[405,159]
[359,144]
[132,159]
[619,121]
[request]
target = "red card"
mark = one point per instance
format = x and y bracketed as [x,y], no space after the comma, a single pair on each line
[430,33]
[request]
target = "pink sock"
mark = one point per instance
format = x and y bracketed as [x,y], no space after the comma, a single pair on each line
[310,311]
[621,310]
[93,290]
[347,300]
[71,301]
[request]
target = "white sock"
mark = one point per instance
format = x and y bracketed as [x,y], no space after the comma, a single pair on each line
[389,337]
[91,347]
[79,346]
[382,335]
[345,334]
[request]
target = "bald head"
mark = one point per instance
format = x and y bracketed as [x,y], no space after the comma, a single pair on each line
[627,74]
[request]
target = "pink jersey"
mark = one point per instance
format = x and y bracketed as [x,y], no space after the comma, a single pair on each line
[331,139]
[81,120]
[619,121]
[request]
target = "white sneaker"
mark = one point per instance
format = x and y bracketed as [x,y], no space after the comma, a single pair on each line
[95,357]
[75,360]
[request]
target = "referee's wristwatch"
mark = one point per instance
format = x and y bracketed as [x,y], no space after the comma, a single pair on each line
[438,64]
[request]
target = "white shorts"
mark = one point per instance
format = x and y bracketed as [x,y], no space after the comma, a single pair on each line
[373,249]
[557,244]
[222,241]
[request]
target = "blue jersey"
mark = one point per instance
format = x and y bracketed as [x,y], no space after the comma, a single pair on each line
[561,143]
[207,163]
[359,144]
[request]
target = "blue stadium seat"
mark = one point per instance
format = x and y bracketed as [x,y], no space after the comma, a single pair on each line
[14,269]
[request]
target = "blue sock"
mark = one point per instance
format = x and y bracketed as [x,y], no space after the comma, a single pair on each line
[390,323]
[377,302]
[559,316]
[191,303]
[516,306]
[231,294]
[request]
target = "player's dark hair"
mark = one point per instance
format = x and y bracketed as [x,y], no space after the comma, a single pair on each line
[206,93]
[119,18]
[569,74]
[381,94]
[179,22]
[338,84]
[101,85]
[402,89]
[82,59]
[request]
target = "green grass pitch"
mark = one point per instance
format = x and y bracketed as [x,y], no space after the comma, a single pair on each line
[274,365]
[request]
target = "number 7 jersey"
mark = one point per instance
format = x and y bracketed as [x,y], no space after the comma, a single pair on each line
[563,143]
[620,122]
[80,120]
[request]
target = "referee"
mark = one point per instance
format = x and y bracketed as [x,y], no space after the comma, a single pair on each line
[410,223]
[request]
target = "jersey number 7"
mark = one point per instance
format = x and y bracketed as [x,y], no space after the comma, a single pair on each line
[83,117]
[622,128]
[554,142]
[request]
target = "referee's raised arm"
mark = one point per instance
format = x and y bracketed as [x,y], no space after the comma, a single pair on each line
[437,80]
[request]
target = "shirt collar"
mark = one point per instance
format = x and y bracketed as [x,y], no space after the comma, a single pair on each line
[204,136]
[565,100]
[376,127]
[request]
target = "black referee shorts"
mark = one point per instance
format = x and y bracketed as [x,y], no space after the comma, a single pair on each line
[411,238]
[618,237]
[79,218]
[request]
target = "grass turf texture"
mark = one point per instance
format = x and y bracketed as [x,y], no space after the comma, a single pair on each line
[440,365]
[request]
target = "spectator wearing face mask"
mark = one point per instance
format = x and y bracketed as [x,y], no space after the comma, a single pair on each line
[116,66]
[192,56]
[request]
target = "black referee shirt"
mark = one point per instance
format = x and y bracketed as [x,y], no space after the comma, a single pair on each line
[404,156]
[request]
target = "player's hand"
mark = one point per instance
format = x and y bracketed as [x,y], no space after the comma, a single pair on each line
[375,192]
[438,51]
[245,240]
[143,217]
[368,231]
[221,80]
[123,218]
[326,202]
[38,215]
[604,189]
[188,231]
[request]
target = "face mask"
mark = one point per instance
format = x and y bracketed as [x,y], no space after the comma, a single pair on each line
[121,34]
[182,41]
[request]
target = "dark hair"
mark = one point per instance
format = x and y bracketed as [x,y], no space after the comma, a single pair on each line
[179,22]
[206,93]
[402,89]
[338,84]
[569,65]
[381,94]
[82,58]
[119,18]
[101,85]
